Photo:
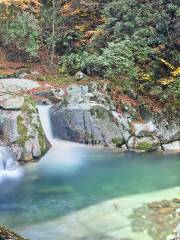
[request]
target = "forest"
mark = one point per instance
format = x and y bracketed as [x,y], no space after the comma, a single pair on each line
[133,44]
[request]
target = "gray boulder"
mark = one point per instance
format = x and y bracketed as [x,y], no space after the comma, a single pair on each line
[21,130]
[86,117]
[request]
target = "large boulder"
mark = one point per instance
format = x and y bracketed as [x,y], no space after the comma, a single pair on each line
[20,128]
[86,117]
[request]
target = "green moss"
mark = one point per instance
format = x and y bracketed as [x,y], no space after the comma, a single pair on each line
[41,138]
[27,110]
[58,79]
[146,146]
[98,112]
[118,142]
[22,130]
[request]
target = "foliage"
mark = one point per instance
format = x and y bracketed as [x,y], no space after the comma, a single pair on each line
[133,43]
[22,32]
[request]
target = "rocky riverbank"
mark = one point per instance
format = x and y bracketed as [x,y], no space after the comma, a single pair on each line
[20,127]
[87,115]
[80,113]
[151,216]
[6,234]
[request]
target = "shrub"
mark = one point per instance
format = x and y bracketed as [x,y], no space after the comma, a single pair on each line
[22,33]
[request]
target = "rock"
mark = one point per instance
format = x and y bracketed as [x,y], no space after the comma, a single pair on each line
[90,116]
[154,205]
[166,210]
[10,102]
[6,234]
[168,128]
[21,130]
[80,76]
[177,200]
[174,146]
[145,113]
[23,75]
[17,85]
[143,143]
[86,118]
[143,129]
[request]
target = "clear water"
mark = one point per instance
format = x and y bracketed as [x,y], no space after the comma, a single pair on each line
[71,177]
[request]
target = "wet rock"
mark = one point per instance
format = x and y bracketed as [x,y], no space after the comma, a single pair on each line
[85,117]
[159,219]
[166,210]
[144,143]
[6,234]
[174,146]
[21,130]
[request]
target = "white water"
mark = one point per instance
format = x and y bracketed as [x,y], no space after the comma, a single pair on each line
[8,166]
[63,154]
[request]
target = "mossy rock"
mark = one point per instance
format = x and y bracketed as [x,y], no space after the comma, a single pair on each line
[118,142]
[146,146]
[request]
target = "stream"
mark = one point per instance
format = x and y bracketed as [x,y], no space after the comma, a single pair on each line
[71,177]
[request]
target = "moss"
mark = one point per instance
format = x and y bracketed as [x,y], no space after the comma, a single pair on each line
[58,79]
[146,146]
[27,110]
[98,112]
[41,137]
[118,142]
[22,130]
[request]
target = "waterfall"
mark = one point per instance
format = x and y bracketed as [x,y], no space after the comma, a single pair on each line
[62,153]
[8,166]
[44,116]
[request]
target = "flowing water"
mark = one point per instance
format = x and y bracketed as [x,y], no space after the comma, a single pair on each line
[8,167]
[72,176]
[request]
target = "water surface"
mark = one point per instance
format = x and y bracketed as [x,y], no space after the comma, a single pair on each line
[71,177]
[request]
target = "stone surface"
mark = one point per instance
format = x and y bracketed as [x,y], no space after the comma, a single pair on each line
[111,219]
[86,115]
[79,76]
[17,84]
[8,101]
[6,234]
[21,130]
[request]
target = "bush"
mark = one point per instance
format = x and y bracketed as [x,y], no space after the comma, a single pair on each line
[22,33]
[89,63]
